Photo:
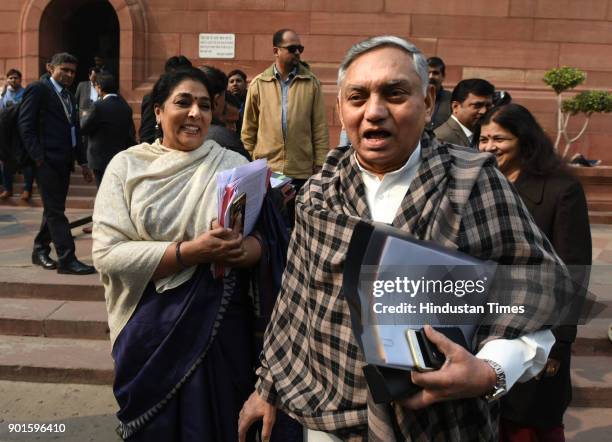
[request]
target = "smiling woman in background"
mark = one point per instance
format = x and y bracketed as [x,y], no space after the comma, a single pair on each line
[533,411]
[181,340]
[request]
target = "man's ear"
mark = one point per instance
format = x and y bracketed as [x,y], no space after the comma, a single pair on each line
[454,106]
[430,102]
[339,109]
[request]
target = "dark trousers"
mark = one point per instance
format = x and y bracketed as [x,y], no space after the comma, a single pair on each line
[53,178]
[98,174]
[9,172]
[298,183]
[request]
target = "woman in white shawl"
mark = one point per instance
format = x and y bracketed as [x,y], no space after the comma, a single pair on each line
[181,339]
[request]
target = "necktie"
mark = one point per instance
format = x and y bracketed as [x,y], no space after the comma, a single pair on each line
[66,99]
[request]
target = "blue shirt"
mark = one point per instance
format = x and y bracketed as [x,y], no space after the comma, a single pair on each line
[11,98]
[284,92]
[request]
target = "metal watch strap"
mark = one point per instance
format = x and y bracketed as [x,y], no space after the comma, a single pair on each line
[500,382]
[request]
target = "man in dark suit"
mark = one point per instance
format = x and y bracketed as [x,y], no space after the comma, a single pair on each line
[442,108]
[470,100]
[108,125]
[49,128]
[224,132]
[86,94]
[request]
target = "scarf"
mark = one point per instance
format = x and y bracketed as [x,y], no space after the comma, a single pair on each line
[151,196]
[311,366]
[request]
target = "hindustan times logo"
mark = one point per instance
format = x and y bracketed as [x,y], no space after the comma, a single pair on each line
[411,287]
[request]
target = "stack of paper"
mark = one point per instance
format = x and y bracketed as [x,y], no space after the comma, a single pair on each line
[278,180]
[251,180]
[246,186]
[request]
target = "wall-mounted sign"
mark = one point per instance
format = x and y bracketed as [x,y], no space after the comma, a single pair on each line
[217,45]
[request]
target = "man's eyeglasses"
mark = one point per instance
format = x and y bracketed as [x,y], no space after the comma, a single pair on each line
[293,48]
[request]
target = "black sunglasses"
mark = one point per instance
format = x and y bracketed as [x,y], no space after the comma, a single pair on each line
[293,48]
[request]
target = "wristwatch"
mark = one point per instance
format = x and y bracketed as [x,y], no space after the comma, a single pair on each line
[499,389]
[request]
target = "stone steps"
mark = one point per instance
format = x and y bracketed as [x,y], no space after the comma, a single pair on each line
[72,202]
[587,424]
[74,190]
[43,284]
[76,178]
[592,381]
[53,318]
[57,360]
[600,217]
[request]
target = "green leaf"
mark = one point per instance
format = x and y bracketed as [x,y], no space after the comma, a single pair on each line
[564,78]
[588,102]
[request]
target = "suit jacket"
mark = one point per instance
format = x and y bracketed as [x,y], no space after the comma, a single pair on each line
[110,129]
[442,110]
[43,126]
[558,206]
[451,132]
[227,138]
[82,95]
[146,133]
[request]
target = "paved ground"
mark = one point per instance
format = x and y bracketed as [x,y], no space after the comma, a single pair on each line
[88,410]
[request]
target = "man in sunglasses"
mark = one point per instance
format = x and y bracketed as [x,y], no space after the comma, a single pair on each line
[284,114]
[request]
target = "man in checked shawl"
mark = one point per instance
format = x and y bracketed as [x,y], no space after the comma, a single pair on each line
[398,173]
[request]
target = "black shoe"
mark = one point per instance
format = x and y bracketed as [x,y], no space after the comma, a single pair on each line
[75,267]
[42,259]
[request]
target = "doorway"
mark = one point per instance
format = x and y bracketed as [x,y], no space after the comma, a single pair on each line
[85,28]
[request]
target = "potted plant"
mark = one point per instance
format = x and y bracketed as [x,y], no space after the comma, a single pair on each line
[587,103]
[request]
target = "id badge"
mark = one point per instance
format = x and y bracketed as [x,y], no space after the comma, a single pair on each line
[73,135]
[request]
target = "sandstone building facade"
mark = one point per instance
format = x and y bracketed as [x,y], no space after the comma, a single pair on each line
[509,42]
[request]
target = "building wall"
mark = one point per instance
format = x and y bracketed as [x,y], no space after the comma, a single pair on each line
[509,42]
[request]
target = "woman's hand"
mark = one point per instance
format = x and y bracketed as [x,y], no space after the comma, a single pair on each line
[223,246]
[216,245]
[250,256]
[550,369]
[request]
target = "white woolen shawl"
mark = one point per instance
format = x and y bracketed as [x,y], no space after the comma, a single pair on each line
[151,196]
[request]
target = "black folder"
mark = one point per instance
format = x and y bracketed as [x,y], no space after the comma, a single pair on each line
[378,248]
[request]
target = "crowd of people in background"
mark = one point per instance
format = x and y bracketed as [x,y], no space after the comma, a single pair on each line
[189,375]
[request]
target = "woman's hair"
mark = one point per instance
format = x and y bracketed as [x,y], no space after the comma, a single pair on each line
[168,81]
[536,152]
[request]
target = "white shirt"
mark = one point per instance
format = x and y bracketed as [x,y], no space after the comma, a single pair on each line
[522,358]
[93,93]
[468,133]
[58,87]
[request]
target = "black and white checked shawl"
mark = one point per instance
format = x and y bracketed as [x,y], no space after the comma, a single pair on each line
[311,364]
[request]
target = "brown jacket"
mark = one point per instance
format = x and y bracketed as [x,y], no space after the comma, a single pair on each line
[307,138]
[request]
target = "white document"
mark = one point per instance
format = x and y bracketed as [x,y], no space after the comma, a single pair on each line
[250,179]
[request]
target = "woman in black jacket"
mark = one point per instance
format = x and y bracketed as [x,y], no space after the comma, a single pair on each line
[533,411]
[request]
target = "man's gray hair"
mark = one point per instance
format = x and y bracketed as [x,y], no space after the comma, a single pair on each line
[63,57]
[418,59]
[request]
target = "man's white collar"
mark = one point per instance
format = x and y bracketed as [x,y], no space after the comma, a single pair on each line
[468,133]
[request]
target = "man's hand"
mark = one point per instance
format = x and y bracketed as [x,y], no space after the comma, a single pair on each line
[254,409]
[550,369]
[462,375]
[87,175]
[39,163]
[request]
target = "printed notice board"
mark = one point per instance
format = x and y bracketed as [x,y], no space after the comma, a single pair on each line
[217,45]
